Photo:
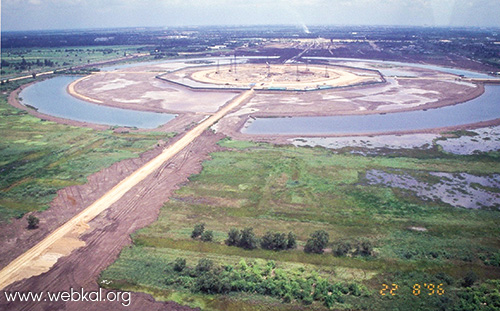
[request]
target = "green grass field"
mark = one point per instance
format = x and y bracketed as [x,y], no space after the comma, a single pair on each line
[285,188]
[59,57]
[38,157]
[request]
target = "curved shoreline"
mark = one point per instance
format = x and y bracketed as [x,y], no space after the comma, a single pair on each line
[13,100]
[174,125]
[236,131]
[71,91]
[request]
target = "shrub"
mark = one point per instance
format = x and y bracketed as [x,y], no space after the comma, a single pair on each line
[233,237]
[274,241]
[248,239]
[365,248]
[211,283]
[341,249]
[204,265]
[33,222]
[198,230]
[179,264]
[317,242]
[469,279]
[292,241]
[207,236]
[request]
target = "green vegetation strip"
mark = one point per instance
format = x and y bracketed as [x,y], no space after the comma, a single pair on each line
[39,157]
[303,190]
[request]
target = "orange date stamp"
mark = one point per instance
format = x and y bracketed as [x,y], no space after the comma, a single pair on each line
[417,289]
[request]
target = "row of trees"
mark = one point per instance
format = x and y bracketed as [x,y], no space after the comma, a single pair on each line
[278,241]
[247,239]
[26,65]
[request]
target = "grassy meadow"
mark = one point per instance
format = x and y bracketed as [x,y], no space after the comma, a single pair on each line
[286,188]
[39,157]
[22,61]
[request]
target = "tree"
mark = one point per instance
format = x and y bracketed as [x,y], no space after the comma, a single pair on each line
[341,249]
[33,222]
[198,230]
[207,236]
[233,237]
[267,241]
[248,239]
[292,241]
[365,248]
[317,242]
[274,241]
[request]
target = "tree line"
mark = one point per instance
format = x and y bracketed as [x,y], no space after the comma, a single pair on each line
[279,241]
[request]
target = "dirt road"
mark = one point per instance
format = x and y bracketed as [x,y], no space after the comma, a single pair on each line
[16,270]
[109,232]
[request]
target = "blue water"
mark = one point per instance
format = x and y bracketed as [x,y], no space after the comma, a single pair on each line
[50,97]
[483,108]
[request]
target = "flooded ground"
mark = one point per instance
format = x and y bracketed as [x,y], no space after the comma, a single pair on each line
[459,189]
[475,141]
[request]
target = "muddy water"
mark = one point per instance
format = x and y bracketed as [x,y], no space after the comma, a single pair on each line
[483,108]
[459,189]
[50,97]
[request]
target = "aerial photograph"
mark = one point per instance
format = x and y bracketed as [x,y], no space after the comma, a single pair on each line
[266,155]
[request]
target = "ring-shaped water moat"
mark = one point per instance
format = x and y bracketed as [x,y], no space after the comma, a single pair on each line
[50,96]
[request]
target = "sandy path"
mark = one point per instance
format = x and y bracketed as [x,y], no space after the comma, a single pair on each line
[16,270]
[72,92]
[110,231]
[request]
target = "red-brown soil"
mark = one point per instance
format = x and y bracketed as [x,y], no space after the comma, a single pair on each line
[109,232]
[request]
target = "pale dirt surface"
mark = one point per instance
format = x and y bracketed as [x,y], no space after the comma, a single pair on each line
[278,76]
[395,95]
[72,92]
[140,90]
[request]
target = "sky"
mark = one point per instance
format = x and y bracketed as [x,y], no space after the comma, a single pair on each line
[81,14]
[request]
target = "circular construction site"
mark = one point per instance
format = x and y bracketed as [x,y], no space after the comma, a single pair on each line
[292,77]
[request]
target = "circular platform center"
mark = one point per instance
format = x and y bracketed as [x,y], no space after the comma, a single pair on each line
[276,76]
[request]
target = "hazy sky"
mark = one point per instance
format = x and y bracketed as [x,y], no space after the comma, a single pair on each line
[71,14]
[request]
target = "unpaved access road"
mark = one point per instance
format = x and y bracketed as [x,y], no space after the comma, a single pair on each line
[16,270]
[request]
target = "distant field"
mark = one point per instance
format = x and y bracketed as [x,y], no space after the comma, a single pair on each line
[38,157]
[17,61]
[284,188]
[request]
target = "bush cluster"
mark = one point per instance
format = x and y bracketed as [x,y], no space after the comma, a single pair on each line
[317,242]
[199,232]
[247,239]
[263,278]
[278,241]
[355,248]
